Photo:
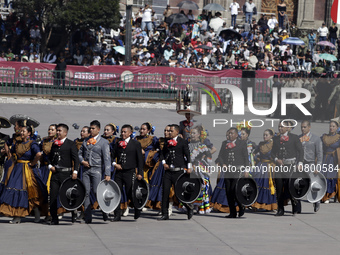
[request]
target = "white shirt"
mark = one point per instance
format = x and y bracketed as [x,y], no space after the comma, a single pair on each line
[323,31]
[249,7]
[272,23]
[234,8]
[147,15]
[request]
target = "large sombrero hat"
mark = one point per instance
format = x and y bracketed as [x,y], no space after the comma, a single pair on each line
[29,120]
[72,194]
[188,187]
[108,196]
[140,193]
[4,123]
[193,113]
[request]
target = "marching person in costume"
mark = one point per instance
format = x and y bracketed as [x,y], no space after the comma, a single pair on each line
[233,153]
[23,190]
[244,132]
[4,123]
[263,174]
[148,142]
[94,155]
[127,156]
[175,158]
[156,176]
[331,158]
[201,160]
[287,152]
[45,147]
[186,125]
[84,133]
[313,152]
[63,158]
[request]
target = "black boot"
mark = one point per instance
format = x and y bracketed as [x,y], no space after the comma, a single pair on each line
[137,213]
[280,212]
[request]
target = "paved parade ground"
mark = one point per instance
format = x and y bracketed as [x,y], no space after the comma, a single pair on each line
[255,233]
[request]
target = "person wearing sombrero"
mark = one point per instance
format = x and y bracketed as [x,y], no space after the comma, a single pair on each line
[23,190]
[127,158]
[45,173]
[186,125]
[94,155]
[110,132]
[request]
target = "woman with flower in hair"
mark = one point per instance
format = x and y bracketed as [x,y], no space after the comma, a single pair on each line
[331,158]
[201,159]
[263,175]
[23,190]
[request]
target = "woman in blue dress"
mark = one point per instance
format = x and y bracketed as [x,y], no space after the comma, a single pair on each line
[331,156]
[156,176]
[45,147]
[263,176]
[23,189]
[201,160]
[148,142]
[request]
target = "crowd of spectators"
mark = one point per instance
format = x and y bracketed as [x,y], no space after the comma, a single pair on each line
[202,42]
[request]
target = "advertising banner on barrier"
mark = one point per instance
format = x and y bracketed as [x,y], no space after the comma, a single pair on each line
[16,70]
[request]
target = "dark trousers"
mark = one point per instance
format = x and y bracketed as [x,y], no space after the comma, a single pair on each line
[169,179]
[282,185]
[321,104]
[56,181]
[230,186]
[125,178]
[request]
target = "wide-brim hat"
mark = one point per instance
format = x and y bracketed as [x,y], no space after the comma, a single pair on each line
[188,187]
[4,123]
[246,191]
[140,193]
[72,194]
[184,112]
[318,187]
[108,196]
[299,184]
[29,120]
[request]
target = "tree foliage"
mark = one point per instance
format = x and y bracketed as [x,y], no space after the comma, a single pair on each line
[69,15]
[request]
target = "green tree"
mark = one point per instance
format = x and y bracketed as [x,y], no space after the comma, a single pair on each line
[67,16]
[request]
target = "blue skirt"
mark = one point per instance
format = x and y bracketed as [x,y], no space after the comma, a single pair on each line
[265,199]
[155,187]
[14,198]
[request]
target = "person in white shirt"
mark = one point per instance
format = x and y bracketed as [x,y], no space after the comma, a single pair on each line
[323,33]
[248,10]
[234,6]
[272,23]
[147,18]
[96,59]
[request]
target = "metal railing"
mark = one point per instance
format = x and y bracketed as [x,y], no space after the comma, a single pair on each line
[91,84]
